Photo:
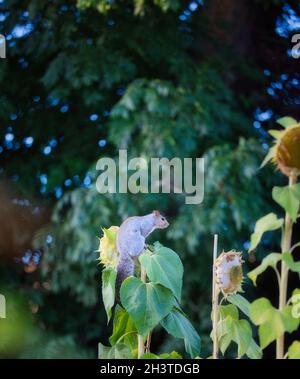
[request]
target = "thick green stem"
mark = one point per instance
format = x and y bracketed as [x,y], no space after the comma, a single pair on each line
[286,246]
[141,346]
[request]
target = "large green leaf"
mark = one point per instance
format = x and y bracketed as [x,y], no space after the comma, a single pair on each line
[149,356]
[270,320]
[291,323]
[286,121]
[254,351]
[119,351]
[231,329]
[172,355]
[228,310]
[109,276]
[124,329]
[242,335]
[177,324]
[164,266]
[294,350]
[239,301]
[267,223]
[289,260]
[224,337]
[147,303]
[270,260]
[288,198]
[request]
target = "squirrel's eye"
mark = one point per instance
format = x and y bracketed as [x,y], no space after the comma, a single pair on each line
[163,219]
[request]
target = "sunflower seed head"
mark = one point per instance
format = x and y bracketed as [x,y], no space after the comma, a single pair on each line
[229,273]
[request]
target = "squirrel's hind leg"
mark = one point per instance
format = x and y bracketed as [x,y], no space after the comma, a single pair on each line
[125,268]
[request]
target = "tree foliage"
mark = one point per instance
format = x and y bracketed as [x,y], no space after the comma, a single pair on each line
[84,79]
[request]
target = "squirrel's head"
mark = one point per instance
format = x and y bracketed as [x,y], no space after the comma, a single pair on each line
[160,221]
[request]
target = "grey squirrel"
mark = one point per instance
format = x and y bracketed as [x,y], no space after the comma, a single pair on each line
[131,238]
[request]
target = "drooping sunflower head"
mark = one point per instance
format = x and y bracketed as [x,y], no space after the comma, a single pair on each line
[109,255]
[229,273]
[285,153]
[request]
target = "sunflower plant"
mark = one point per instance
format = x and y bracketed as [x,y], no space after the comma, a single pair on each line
[274,321]
[148,300]
[230,314]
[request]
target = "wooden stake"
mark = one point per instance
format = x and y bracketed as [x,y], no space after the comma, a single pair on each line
[215,300]
[141,346]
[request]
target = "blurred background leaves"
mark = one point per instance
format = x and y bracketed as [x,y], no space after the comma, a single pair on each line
[159,78]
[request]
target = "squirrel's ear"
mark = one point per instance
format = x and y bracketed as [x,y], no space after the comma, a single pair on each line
[157,213]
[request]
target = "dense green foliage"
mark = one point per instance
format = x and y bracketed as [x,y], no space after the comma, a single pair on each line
[90,78]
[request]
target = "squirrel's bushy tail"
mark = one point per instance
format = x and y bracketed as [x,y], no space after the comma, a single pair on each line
[125,268]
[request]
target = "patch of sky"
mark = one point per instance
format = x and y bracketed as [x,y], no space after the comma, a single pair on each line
[284,77]
[64,108]
[193,6]
[3,16]
[68,182]
[8,145]
[265,146]
[28,141]
[49,239]
[26,257]
[288,22]
[53,101]
[53,142]
[58,192]
[262,116]
[183,17]
[87,181]
[257,124]
[9,137]
[246,245]
[47,150]
[102,143]
[94,117]
[21,31]
[44,179]
[277,85]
